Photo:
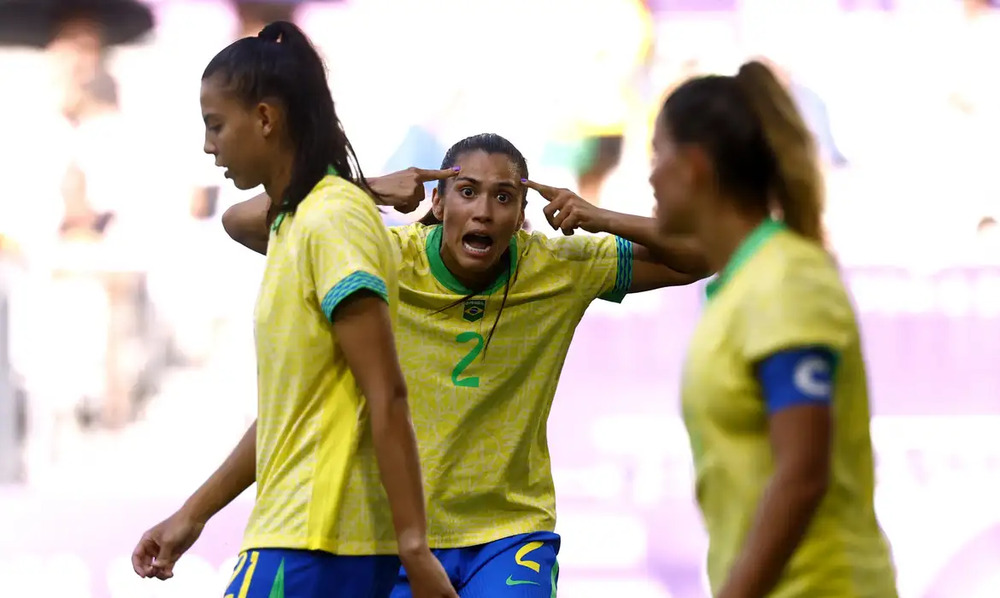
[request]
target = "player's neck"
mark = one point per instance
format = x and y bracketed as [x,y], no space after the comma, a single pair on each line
[722,235]
[277,183]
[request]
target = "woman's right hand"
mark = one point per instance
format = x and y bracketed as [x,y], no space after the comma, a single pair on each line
[161,546]
[427,577]
[404,190]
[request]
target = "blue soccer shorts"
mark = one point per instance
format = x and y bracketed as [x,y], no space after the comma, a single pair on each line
[522,566]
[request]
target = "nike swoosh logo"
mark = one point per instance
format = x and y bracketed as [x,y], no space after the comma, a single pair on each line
[515,582]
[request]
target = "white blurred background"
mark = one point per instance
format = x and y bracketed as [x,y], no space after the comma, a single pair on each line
[126,356]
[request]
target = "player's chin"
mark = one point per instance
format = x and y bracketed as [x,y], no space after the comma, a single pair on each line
[476,264]
[243,183]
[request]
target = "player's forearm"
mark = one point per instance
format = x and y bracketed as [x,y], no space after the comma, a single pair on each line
[785,511]
[235,475]
[679,253]
[399,466]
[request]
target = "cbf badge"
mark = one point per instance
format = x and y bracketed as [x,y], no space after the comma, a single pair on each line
[474,310]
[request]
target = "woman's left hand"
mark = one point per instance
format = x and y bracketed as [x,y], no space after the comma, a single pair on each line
[568,211]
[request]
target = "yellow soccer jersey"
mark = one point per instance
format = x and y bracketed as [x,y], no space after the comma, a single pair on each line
[480,412]
[781,291]
[317,479]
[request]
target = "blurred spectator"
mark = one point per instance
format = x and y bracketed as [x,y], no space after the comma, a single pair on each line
[602,67]
[75,222]
[102,219]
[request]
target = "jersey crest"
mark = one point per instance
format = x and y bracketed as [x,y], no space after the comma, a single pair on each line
[474,310]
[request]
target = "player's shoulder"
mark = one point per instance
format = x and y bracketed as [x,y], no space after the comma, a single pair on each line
[792,264]
[411,239]
[537,246]
[411,234]
[335,196]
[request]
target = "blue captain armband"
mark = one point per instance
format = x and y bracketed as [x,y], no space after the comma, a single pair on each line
[800,376]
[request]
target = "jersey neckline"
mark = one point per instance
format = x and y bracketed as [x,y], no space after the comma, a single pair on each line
[746,250]
[444,275]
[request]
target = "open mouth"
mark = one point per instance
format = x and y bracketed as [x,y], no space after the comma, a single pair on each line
[477,244]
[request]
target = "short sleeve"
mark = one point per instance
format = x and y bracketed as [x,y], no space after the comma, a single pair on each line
[345,245]
[602,265]
[806,305]
[612,266]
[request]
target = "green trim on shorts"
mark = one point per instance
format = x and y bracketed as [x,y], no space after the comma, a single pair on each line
[278,587]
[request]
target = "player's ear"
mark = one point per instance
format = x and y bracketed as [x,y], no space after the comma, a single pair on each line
[696,167]
[437,205]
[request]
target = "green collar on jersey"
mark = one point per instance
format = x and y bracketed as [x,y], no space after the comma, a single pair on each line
[444,275]
[746,250]
[330,171]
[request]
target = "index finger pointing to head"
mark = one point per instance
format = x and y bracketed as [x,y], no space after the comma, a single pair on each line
[543,190]
[437,175]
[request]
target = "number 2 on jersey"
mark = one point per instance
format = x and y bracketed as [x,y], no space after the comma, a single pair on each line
[469,381]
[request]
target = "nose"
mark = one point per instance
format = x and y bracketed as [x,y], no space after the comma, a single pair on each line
[483,211]
[210,148]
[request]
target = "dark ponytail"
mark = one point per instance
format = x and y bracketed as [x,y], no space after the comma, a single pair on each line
[281,64]
[759,144]
[797,183]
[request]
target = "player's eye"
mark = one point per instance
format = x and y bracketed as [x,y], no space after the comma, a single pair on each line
[467,192]
[503,198]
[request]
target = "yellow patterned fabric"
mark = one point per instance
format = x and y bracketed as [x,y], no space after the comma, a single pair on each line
[480,410]
[781,291]
[318,485]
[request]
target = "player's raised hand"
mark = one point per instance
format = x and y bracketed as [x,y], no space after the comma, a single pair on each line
[161,546]
[404,190]
[568,211]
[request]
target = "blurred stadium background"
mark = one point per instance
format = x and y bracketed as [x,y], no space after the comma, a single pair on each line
[126,358]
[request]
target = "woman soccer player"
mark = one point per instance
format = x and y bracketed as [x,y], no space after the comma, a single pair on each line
[487,313]
[322,525]
[774,391]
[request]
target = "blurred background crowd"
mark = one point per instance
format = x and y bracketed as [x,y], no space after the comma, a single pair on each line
[126,357]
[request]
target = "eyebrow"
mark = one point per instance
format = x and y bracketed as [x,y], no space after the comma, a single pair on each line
[474,181]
